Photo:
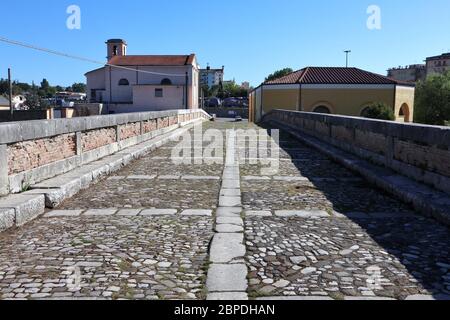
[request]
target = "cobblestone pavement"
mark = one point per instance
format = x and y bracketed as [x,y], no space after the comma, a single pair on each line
[312,229]
[116,257]
[127,237]
[364,244]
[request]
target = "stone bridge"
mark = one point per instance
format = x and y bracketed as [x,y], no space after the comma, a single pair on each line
[131,216]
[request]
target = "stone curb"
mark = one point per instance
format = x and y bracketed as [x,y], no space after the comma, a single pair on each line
[18,209]
[143,212]
[227,275]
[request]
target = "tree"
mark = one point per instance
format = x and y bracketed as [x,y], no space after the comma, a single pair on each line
[4,87]
[380,111]
[79,88]
[231,89]
[33,101]
[432,104]
[45,84]
[279,74]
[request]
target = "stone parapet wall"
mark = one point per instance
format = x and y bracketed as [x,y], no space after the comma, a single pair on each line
[28,155]
[419,152]
[95,139]
[33,151]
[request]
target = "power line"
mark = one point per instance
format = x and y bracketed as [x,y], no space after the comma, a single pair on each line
[65,55]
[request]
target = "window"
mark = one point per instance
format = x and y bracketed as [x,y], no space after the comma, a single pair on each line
[166,82]
[115,52]
[124,82]
[158,93]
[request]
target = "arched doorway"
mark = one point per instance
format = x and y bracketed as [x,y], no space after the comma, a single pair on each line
[404,113]
[322,109]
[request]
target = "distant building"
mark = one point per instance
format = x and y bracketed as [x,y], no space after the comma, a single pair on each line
[71,96]
[18,102]
[342,91]
[245,85]
[438,64]
[412,73]
[132,83]
[211,77]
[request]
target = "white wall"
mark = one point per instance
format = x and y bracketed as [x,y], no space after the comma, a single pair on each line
[144,98]
[95,80]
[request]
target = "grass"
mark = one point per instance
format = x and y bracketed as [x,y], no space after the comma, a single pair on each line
[337,296]
[25,187]
[160,296]
[258,294]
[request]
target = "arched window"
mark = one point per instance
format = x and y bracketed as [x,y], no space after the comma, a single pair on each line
[166,82]
[124,82]
[322,109]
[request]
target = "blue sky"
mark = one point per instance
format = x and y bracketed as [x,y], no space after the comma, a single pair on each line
[252,38]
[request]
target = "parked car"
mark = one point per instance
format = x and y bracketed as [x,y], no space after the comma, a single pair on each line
[231,102]
[213,102]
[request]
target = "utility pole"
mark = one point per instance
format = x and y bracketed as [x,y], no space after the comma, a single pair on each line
[347,52]
[186,93]
[10,93]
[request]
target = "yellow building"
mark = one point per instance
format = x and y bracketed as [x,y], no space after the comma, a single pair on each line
[343,91]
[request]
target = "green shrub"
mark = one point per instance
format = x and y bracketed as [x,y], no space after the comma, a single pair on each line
[432,104]
[380,111]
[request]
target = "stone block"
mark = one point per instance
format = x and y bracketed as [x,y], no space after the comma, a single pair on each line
[302,213]
[63,213]
[227,278]
[229,228]
[230,192]
[206,213]
[225,201]
[227,247]
[231,184]
[227,296]
[253,213]
[230,220]
[159,212]
[100,212]
[26,207]
[229,212]
[7,218]
[129,212]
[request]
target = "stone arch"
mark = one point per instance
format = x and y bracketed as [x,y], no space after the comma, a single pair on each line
[405,112]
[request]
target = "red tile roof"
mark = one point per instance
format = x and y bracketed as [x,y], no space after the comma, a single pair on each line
[180,60]
[333,75]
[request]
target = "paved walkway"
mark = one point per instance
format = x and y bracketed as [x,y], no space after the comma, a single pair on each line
[156,230]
